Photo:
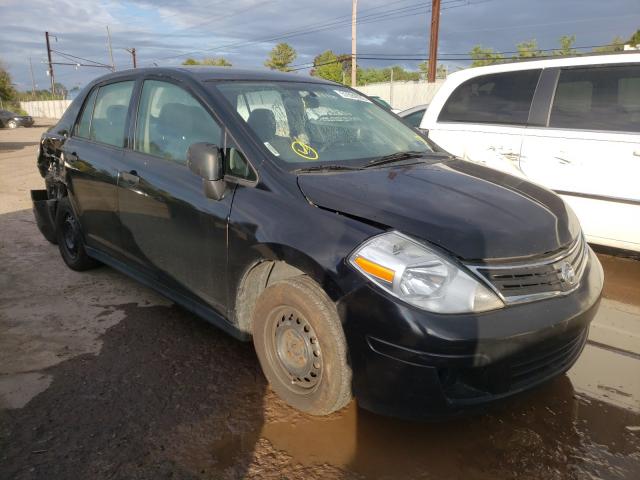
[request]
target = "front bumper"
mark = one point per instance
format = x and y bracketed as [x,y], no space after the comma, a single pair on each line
[410,363]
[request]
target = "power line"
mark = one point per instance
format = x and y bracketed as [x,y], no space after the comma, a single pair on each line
[329,25]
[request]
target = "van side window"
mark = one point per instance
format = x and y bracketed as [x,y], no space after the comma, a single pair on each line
[170,120]
[503,98]
[598,98]
[82,127]
[110,113]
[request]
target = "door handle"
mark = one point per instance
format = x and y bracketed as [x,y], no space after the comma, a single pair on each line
[130,177]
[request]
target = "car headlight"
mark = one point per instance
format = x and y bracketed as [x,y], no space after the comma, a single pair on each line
[421,276]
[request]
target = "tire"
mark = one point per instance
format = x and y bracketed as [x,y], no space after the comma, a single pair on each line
[12,124]
[69,237]
[301,346]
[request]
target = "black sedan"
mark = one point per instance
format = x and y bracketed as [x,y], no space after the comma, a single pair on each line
[296,212]
[13,120]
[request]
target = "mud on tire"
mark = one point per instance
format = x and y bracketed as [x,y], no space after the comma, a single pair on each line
[301,346]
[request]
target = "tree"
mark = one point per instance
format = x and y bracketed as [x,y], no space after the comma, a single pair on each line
[484,56]
[616,45]
[528,49]
[211,61]
[281,57]
[60,89]
[566,46]
[423,70]
[328,65]
[7,92]
[634,39]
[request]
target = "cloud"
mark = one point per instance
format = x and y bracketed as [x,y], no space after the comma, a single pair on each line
[167,31]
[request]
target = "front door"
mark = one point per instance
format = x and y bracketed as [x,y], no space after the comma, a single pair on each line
[170,228]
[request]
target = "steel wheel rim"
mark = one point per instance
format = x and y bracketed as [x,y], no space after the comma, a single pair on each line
[295,350]
[70,234]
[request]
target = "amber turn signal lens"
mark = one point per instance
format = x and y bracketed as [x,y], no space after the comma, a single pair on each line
[376,270]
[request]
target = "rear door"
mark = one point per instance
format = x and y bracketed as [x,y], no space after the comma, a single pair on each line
[93,157]
[590,150]
[171,230]
[484,118]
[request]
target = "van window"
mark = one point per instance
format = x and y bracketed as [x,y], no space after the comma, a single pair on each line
[598,98]
[170,120]
[110,113]
[82,127]
[497,98]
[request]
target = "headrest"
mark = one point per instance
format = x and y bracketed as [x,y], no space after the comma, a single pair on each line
[263,122]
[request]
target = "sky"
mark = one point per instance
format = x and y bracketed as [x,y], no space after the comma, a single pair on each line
[165,32]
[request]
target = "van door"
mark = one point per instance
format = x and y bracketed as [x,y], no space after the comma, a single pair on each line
[590,151]
[171,230]
[484,118]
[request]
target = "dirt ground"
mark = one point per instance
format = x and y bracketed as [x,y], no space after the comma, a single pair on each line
[101,378]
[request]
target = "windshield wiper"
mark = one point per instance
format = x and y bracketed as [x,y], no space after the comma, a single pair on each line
[325,168]
[395,157]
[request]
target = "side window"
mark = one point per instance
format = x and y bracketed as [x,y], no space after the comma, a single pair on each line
[110,113]
[237,165]
[497,98]
[598,98]
[414,119]
[170,120]
[82,127]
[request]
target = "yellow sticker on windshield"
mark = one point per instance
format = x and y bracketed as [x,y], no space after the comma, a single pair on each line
[304,150]
[422,140]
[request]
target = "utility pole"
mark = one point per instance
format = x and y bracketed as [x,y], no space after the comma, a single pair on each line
[132,51]
[113,65]
[433,42]
[53,82]
[33,81]
[354,8]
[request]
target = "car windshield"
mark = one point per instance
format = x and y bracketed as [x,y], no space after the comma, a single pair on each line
[310,124]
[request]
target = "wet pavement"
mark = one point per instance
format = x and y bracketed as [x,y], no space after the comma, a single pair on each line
[101,378]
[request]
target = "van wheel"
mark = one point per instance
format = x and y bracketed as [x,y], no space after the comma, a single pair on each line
[300,343]
[69,238]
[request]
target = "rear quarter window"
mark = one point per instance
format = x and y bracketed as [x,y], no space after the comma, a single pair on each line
[598,98]
[503,98]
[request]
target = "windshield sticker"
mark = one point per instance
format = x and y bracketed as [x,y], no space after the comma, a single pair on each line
[422,140]
[272,149]
[349,95]
[303,150]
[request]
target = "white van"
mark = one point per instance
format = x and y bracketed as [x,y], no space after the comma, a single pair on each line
[570,124]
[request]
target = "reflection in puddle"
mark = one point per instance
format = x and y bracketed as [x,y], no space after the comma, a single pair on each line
[551,433]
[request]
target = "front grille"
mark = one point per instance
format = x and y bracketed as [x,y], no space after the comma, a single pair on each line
[549,276]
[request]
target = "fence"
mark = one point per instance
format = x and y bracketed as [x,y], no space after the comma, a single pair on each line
[46,108]
[403,95]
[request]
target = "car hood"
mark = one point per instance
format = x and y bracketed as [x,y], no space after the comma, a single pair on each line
[472,211]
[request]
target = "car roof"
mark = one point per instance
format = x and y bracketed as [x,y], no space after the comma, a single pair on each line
[209,74]
[578,60]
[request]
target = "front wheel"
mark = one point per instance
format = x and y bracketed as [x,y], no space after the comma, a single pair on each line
[12,124]
[70,241]
[300,343]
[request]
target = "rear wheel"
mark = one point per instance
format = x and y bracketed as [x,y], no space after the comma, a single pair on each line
[70,240]
[300,343]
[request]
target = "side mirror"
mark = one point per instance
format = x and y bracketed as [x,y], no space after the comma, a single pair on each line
[205,160]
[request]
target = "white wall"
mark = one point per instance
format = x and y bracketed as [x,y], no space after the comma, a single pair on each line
[46,108]
[403,95]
